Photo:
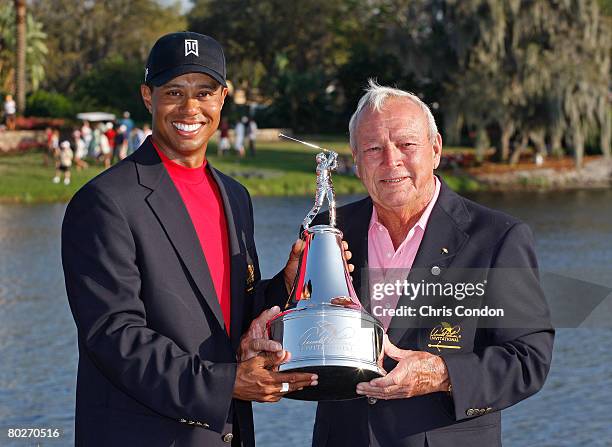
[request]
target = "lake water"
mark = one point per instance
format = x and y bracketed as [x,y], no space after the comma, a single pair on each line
[38,360]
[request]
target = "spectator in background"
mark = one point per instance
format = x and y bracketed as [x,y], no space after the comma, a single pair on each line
[104,149]
[64,157]
[240,134]
[224,141]
[10,112]
[136,139]
[129,125]
[93,147]
[86,136]
[251,131]
[110,133]
[121,143]
[54,142]
[80,150]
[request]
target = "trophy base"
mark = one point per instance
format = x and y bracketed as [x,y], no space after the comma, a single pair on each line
[341,345]
[336,382]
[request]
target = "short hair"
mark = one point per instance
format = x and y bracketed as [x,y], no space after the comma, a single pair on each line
[375,97]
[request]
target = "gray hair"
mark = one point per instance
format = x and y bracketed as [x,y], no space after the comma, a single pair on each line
[375,97]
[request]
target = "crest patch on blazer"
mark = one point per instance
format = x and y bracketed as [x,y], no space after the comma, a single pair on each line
[445,336]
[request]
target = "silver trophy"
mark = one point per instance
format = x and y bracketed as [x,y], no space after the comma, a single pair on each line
[323,324]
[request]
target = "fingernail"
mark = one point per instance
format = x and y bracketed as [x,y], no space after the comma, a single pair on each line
[314,383]
[280,354]
[275,308]
[314,377]
[359,391]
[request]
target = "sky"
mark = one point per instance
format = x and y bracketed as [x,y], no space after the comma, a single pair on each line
[185,4]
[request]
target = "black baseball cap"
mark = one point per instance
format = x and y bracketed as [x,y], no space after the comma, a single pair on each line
[176,54]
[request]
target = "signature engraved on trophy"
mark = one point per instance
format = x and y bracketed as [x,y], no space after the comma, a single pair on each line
[326,334]
[327,161]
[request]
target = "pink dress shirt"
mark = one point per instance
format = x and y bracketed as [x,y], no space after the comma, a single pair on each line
[387,264]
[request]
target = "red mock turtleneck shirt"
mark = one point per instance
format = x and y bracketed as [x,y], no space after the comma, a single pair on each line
[204,204]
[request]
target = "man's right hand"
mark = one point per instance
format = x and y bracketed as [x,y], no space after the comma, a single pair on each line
[256,379]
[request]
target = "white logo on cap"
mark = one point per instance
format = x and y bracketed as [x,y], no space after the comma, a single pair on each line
[191,47]
[146,73]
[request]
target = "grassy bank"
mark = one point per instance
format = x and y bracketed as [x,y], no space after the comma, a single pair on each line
[279,168]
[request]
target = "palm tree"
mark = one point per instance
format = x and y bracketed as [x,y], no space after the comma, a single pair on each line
[20,54]
[36,50]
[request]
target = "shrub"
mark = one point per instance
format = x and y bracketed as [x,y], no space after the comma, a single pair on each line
[51,104]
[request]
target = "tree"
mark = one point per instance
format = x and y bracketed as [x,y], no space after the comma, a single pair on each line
[20,54]
[538,70]
[81,34]
[115,75]
[36,50]
[285,51]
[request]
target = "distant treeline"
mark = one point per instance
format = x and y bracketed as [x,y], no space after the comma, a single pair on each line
[506,73]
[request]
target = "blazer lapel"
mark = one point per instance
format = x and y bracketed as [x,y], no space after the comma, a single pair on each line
[235,234]
[168,206]
[444,231]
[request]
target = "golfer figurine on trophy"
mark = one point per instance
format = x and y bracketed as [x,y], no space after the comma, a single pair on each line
[327,161]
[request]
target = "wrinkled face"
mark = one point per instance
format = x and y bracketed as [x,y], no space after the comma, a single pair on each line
[394,155]
[186,111]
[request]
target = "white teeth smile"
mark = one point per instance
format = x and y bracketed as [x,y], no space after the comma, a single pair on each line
[394,180]
[187,127]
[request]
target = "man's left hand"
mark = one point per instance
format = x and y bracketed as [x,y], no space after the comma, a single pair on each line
[255,340]
[416,373]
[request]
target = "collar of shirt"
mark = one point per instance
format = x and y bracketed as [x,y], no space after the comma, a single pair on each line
[183,174]
[381,253]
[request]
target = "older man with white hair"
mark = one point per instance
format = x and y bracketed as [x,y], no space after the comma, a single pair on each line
[448,376]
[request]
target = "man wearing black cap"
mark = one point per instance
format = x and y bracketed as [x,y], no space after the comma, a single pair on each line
[163,279]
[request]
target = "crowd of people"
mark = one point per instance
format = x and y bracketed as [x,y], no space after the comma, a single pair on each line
[110,142]
[106,143]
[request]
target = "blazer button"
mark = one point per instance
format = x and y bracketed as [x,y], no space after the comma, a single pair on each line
[227,437]
[489,409]
[469,412]
[372,400]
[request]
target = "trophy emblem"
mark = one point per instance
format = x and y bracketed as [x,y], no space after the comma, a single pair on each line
[323,324]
